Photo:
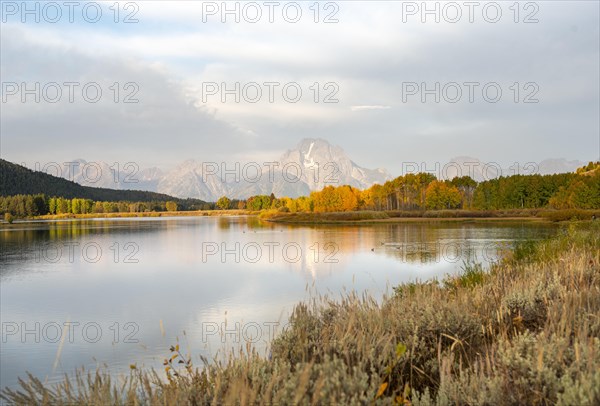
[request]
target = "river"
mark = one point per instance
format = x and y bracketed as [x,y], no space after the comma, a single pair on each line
[110,293]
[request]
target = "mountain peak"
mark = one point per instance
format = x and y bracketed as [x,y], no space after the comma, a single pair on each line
[318,162]
[325,164]
[307,145]
[307,141]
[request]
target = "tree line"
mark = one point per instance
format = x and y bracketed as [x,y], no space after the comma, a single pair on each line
[40,204]
[423,191]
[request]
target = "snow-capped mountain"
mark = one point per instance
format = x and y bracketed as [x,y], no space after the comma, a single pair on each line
[324,164]
[311,165]
[193,179]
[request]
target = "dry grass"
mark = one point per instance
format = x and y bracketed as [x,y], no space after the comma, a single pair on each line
[323,218]
[366,216]
[524,333]
[464,213]
[569,214]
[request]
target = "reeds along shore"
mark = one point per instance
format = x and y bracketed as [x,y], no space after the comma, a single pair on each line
[524,332]
[366,216]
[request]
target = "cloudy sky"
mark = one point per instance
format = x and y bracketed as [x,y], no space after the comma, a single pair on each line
[367,72]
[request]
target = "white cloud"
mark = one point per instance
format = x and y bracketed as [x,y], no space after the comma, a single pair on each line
[369,54]
[372,107]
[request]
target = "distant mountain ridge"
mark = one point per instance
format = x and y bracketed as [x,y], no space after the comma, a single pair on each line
[16,179]
[481,171]
[311,165]
[100,174]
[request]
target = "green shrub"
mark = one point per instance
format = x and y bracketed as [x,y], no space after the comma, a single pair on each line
[472,274]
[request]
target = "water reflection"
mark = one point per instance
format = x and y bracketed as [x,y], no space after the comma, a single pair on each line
[141,283]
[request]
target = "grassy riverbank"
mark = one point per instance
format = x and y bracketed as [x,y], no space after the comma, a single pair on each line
[526,332]
[350,217]
[426,215]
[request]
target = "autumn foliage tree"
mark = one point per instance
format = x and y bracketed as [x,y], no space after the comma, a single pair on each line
[582,193]
[330,199]
[466,186]
[441,195]
[224,203]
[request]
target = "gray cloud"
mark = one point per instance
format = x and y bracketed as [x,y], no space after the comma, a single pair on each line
[369,54]
[164,127]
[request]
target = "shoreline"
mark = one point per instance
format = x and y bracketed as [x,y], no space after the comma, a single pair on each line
[94,216]
[350,218]
[410,220]
[390,217]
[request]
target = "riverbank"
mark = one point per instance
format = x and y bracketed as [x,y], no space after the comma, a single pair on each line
[358,217]
[144,214]
[523,332]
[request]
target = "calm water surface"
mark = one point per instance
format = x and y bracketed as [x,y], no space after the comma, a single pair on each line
[115,292]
